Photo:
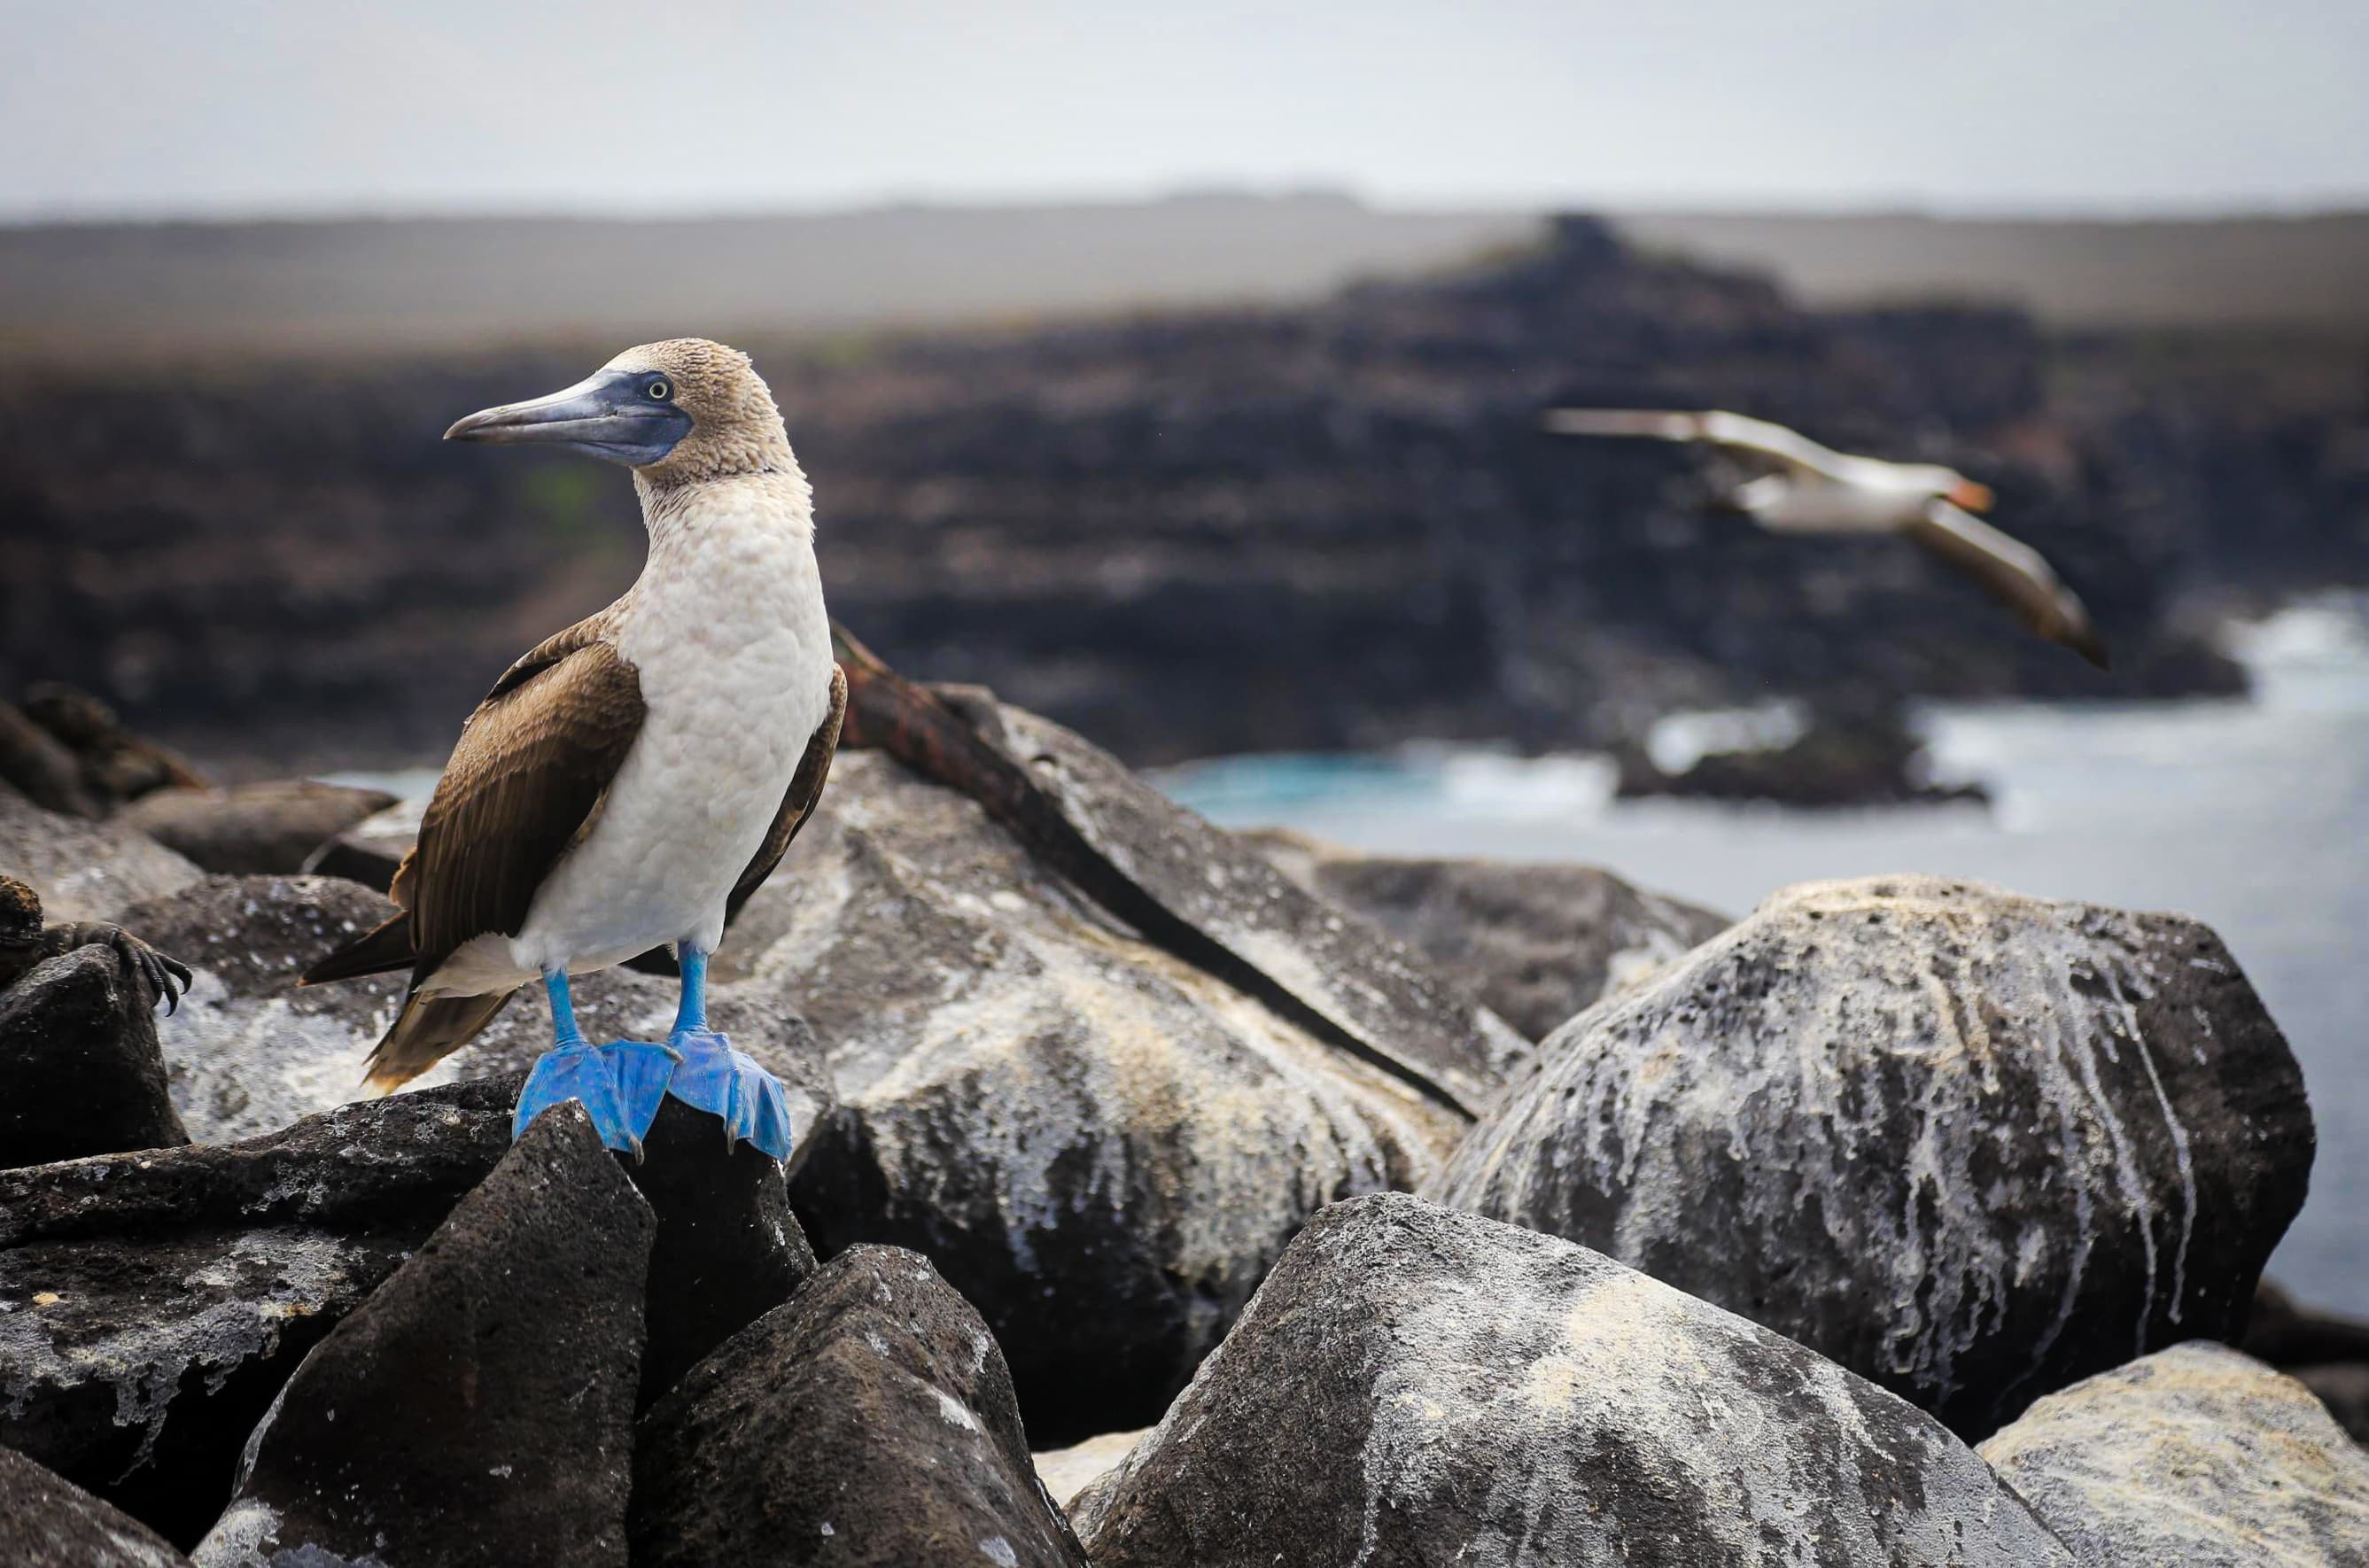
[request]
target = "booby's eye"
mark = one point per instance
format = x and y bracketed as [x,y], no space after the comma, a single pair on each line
[659,391]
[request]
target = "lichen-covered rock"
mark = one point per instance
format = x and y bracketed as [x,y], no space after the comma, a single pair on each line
[83,871]
[1102,1148]
[251,828]
[1538,943]
[46,1521]
[152,1303]
[249,1050]
[477,1411]
[80,1072]
[870,1422]
[2343,1387]
[729,1250]
[2197,1456]
[1971,1146]
[1415,1386]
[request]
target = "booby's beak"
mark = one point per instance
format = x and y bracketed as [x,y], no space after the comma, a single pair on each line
[1972,496]
[626,416]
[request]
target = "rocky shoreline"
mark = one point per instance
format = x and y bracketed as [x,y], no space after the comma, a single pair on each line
[1902,1220]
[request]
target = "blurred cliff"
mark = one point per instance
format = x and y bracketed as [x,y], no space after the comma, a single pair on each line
[1327,524]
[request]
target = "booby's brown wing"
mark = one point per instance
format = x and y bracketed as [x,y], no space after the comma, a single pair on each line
[524,783]
[2015,573]
[798,801]
[797,805]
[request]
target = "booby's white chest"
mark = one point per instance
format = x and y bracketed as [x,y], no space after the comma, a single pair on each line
[729,638]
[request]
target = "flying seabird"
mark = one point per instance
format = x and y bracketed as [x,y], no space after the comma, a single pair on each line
[629,782]
[1815,490]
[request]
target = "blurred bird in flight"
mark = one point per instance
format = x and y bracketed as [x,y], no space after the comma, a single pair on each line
[1810,489]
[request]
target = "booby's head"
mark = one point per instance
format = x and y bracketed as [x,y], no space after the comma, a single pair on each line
[683,410]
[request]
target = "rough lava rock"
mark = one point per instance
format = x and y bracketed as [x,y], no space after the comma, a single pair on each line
[249,1051]
[1539,943]
[479,1408]
[1415,1386]
[1970,1145]
[729,1250]
[80,1072]
[1104,1149]
[2197,1456]
[46,1521]
[271,826]
[870,1422]
[84,870]
[152,1303]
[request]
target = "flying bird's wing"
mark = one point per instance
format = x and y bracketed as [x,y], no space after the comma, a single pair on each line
[2015,573]
[524,784]
[1714,427]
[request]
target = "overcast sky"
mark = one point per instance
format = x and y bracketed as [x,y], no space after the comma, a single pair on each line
[178,107]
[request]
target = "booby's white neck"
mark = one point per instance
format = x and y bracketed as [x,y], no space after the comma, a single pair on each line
[771,498]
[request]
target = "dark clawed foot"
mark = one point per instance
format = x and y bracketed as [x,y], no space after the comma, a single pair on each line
[166,978]
[619,1085]
[732,1086]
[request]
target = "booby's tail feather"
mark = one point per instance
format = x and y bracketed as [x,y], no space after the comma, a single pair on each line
[426,1031]
[373,952]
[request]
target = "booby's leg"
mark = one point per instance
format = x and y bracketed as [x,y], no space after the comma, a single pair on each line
[716,1078]
[619,1085]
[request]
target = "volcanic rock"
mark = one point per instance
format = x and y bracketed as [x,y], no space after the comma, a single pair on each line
[371,851]
[2198,1456]
[272,826]
[153,1303]
[478,1409]
[80,1072]
[1102,1148]
[249,1051]
[870,1422]
[1415,1386]
[84,870]
[727,1251]
[1539,943]
[46,1521]
[1971,1146]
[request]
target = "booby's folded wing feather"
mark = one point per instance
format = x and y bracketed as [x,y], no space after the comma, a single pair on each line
[1715,426]
[523,783]
[2015,573]
[798,801]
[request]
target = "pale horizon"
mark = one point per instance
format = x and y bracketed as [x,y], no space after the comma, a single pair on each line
[271,110]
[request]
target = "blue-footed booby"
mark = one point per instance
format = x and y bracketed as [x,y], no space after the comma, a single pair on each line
[629,782]
[1815,490]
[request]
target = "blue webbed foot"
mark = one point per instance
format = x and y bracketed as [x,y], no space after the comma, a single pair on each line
[728,1083]
[619,1085]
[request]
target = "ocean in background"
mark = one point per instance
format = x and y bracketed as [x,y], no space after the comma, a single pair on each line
[2250,815]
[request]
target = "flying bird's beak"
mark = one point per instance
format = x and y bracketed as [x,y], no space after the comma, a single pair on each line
[1972,496]
[609,416]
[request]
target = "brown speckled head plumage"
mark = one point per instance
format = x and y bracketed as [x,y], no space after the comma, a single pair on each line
[735,429]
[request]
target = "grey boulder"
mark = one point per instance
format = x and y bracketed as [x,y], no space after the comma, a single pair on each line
[1539,943]
[80,1072]
[1971,1146]
[478,1409]
[152,1303]
[1415,1386]
[1102,1148]
[46,1521]
[273,826]
[2198,1456]
[249,1051]
[81,870]
[869,1422]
